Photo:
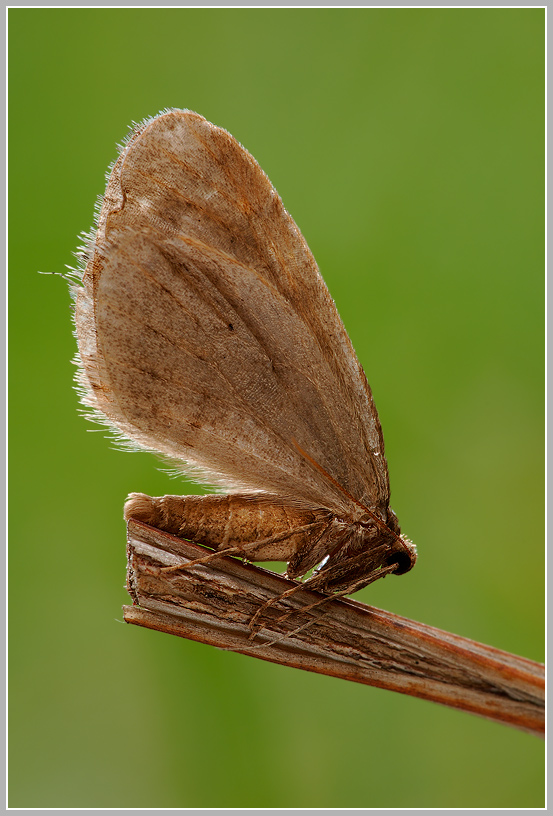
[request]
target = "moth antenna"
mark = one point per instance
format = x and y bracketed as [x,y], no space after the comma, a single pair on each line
[357,585]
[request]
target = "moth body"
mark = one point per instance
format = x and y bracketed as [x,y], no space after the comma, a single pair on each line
[207,334]
[262,528]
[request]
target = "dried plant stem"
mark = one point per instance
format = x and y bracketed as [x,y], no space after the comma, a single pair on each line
[214,603]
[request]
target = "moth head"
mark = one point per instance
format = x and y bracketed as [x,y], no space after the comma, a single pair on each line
[400,550]
[349,569]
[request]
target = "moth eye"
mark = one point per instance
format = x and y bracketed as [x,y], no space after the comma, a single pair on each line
[404,560]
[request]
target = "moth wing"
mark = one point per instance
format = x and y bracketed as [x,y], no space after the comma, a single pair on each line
[207,333]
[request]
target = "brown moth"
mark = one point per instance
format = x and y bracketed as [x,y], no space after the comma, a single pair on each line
[207,334]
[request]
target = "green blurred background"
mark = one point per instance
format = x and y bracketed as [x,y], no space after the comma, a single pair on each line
[408,144]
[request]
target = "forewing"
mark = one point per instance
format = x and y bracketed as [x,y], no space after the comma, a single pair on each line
[207,333]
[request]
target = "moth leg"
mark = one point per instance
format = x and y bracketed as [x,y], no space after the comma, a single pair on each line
[251,548]
[305,557]
[269,603]
[204,560]
[335,596]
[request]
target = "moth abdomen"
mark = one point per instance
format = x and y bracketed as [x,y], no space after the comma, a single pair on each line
[259,528]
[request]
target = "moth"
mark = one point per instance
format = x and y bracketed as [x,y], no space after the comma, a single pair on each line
[207,334]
